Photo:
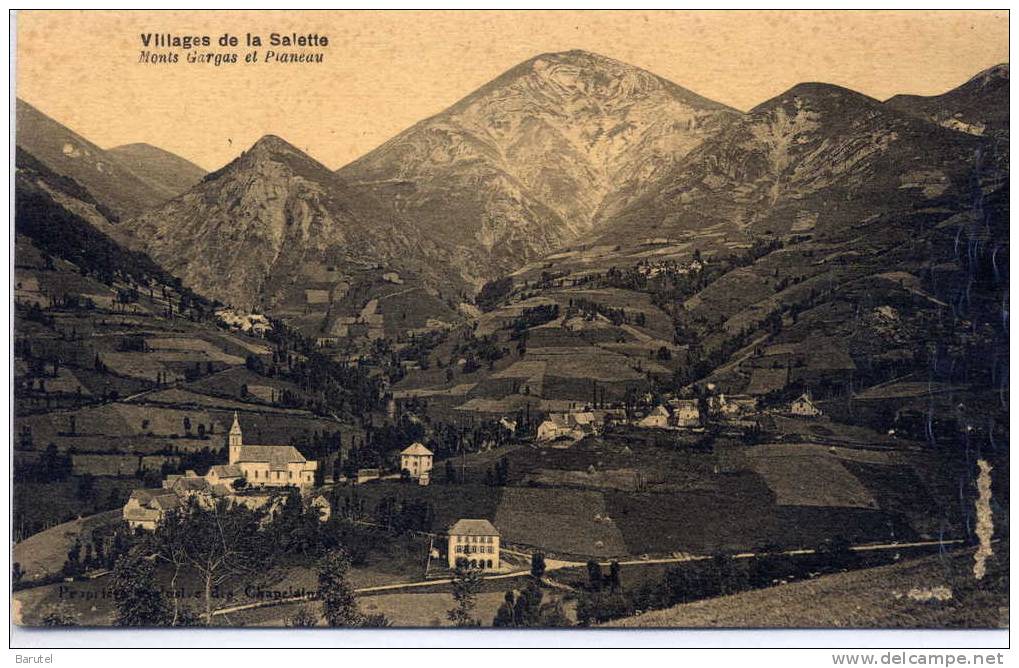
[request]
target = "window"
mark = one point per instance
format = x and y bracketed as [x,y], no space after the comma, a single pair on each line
[290,474]
[489,563]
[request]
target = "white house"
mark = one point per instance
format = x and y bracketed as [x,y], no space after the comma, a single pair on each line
[269,465]
[477,541]
[686,413]
[656,419]
[147,507]
[552,428]
[804,406]
[417,459]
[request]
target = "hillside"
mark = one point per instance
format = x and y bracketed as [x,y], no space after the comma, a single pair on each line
[122,375]
[933,592]
[533,159]
[978,107]
[107,175]
[164,171]
[812,159]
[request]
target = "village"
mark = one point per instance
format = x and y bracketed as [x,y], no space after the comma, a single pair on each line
[258,475]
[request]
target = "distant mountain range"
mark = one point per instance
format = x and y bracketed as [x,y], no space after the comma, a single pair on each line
[565,149]
[126,180]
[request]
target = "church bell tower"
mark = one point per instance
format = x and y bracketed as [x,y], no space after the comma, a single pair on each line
[235,441]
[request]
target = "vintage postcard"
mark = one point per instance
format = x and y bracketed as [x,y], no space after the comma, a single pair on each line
[512,319]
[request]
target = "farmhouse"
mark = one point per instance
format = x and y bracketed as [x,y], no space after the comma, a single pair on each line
[559,426]
[417,459]
[147,507]
[803,405]
[269,465]
[656,419]
[477,541]
[685,413]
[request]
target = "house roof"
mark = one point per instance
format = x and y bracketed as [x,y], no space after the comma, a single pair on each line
[145,496]
[804,398]
[141,514]
[190,485]
[227,471]
[473,528]
[416,449]
[166,502]
[274,455]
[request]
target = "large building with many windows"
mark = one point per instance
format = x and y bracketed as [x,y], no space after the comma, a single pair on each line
[477,541]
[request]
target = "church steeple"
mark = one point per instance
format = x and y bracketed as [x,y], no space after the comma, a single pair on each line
[235,440]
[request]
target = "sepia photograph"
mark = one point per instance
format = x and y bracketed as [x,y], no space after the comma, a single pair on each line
[513,320]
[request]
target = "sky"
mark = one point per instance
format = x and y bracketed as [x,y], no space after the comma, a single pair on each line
[383,71]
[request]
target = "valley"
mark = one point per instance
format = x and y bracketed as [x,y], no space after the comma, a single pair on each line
[631,324]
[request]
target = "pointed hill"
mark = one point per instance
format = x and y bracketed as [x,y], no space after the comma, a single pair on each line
[277,230]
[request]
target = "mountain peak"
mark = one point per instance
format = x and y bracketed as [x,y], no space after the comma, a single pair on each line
[271,143]
[991,75]
[818,96]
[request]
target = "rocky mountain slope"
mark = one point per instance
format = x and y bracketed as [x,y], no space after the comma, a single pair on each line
[278,231]
[815,156]
[978,107]
[536,157]
[108,176]
[165,172]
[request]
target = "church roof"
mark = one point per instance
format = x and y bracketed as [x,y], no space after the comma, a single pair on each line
[416,449]
[473,528]
[274,455]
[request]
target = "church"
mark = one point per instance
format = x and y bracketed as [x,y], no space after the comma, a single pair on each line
[269,465]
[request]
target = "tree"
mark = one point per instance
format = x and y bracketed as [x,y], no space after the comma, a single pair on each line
[302,618]
[537,565]
[335,592]
[217,542]
[614,576]
[466,585]
[527,609]
[139,603]
[594,575]
[85,491]
[504,617]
